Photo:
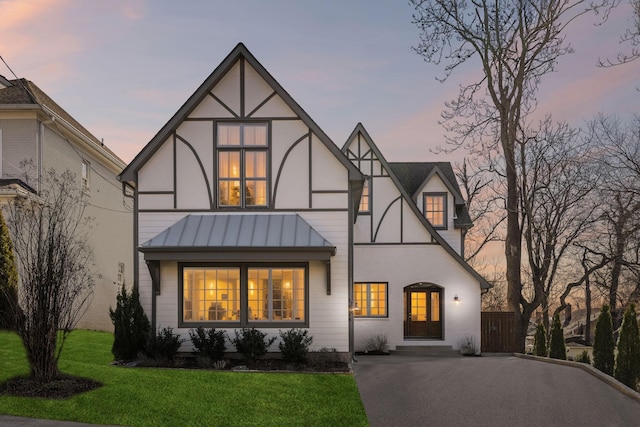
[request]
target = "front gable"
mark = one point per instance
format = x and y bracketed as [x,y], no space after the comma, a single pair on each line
[209,157]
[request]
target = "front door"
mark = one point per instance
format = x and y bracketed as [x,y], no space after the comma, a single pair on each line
[423,313]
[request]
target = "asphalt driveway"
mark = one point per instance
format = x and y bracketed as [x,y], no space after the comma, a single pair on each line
[487,391]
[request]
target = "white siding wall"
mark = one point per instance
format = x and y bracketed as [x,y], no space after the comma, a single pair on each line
[402,266]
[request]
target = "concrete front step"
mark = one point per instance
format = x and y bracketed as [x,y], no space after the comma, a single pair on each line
[426,351]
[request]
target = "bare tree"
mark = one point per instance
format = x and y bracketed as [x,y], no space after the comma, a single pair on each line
[54,269]
[619,197]
[515,43]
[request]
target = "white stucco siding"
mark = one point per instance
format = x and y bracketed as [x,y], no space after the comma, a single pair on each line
[256,90]
[386,211]
[157,172]
[328,173]
[210,107]
[194,160]
[292,176]
[362,229]
[413,230]
[402,266]
[228,89]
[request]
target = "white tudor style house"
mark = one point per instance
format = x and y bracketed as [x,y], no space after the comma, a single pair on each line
[37,135]
[248,215]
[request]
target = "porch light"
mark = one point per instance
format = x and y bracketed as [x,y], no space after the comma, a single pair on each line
[456,299]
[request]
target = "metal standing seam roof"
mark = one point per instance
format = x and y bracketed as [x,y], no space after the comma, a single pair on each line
[211,232]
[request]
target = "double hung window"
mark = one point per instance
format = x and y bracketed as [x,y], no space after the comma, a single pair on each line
[435,209]
[242,164]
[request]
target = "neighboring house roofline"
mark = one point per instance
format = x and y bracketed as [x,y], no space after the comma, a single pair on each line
[239,52]
[436,236]
[22,94]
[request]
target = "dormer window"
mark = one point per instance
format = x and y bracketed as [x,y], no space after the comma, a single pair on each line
[435,209]
[242,164]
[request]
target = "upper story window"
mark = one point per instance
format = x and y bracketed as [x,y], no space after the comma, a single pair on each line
[365,199]
[435,209]
[85,174]
[242,164]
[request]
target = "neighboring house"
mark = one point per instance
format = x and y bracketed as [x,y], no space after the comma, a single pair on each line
[248,215]
[37,135]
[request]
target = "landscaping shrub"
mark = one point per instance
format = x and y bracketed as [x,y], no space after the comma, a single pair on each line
[557,348]
[164,345]
[603,344]
[628,360]
[540,341]
[583,357]
[252,343]
[131,325]
[295,345]
[377,344]
[208,343]
[8,279]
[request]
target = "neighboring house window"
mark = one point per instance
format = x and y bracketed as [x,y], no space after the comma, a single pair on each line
[120,279]
[435,209]
[242,164]
[244,294]
[364,200]
[370,299]
[85,174]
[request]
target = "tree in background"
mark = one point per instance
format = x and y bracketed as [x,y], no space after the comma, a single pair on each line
[516,44]
[603,344]
[131,325]
[8,279]
[540,343]
[557,348]
[49,234]
[628,360]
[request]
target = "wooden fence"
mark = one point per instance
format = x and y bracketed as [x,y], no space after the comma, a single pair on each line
[498,332]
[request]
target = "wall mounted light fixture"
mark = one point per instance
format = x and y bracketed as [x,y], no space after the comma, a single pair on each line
[456,299]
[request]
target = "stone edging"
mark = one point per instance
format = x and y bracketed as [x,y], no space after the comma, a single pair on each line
[589,369]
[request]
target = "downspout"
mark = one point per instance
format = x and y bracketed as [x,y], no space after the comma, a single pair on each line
[350,276]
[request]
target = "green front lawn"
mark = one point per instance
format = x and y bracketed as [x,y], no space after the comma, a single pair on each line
[156,397]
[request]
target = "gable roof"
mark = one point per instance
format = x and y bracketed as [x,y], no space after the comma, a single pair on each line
[23,93]
[239,52]
[414,175]
[410,201]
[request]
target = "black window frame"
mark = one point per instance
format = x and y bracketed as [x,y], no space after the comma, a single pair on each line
[242,149]
[445,213]
[243,321]
[368,315]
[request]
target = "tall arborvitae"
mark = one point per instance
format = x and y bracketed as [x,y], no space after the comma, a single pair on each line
[131,325]
[540,345]
[557,349]
[628,360]
[603,343]
[8,279]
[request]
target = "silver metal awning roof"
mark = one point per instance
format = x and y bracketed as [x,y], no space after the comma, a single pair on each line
[253,235]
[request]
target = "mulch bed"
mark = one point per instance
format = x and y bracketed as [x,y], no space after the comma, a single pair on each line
[63,387]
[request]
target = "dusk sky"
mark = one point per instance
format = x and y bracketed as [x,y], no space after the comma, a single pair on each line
[123,68]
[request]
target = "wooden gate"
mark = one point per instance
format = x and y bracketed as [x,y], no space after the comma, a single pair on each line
[498,332]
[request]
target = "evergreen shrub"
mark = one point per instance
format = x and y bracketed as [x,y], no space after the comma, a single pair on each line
[131,325]
[628,361]
[603,343]
[252,343]
[208,343]
[540,341]
[164,345]
[557,348]
[295,345]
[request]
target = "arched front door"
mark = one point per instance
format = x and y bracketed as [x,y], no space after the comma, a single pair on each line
[423,311]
